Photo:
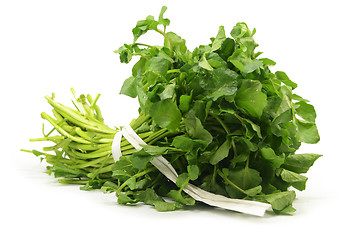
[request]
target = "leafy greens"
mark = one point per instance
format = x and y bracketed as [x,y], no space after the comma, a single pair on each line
[224,120]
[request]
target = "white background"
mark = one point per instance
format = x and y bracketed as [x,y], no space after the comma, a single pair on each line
[51,46]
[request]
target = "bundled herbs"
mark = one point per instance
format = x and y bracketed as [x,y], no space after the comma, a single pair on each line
[225,122]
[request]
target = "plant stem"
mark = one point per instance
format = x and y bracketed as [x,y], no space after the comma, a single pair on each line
[137,175]
[167,39]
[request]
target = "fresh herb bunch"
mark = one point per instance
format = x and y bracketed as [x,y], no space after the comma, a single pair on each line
[238,124]
[217,113]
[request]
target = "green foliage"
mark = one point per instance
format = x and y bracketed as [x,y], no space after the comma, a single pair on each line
[223,119]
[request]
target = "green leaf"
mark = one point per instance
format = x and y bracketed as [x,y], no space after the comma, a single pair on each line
[221,153]
[133,184]
[193,171]
[155,150]
[217,42]
[282,76]
[250,98]
[166,114]
[168,92]
[269,154]
[187,144]
[161,19]
[298,181]
[306,111]
[224,84]
[123,167]
[143,26]
[300,163]
[267,62]
[205,64]
[150,197]
[162,206]
[125,53]
[185,101]
[216,61]
[157,65]
[307,132]
[280,200]
[227,48]
[124,199]
[243,62]
[253,191]
[240,30]
[63,170]
[182,180]
[255,127]
[178,44]
[195,128]
[140,159]
[129,87]
[177,196]
[245,178]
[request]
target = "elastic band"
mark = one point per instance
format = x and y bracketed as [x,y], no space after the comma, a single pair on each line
[165,167]
[116,146]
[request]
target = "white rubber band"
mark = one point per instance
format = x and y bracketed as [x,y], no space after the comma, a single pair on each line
[165,167]
[116,146]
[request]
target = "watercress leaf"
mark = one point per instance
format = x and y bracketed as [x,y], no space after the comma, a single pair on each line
[161,19]
[269,155]
[163,206]
[143,26]
[250,98]
[287,210]
[155,150]
[62,170]
[178,196]
[298,181]
[306,111]
[224,83]
[129,87]
[267,62]
[178,44]
[193,171]
[125,53]
[124,199]
[150,197]
[216,61]
[280,200]
[185,101]
[140,159]
[251,146]
[168,92]
[182,180]
[166,114]
[307,132]
[253,191]
[298,98]
[195,128]
[300,163]
[123,167]
[221,153]
[217,42]
[255,127]
[240,30]
[227,48]
[205,64]
[187,144]
[282,76]
[245,178]
[158,65]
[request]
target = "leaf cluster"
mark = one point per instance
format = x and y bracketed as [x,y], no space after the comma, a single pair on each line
[218,114]
[237,123]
